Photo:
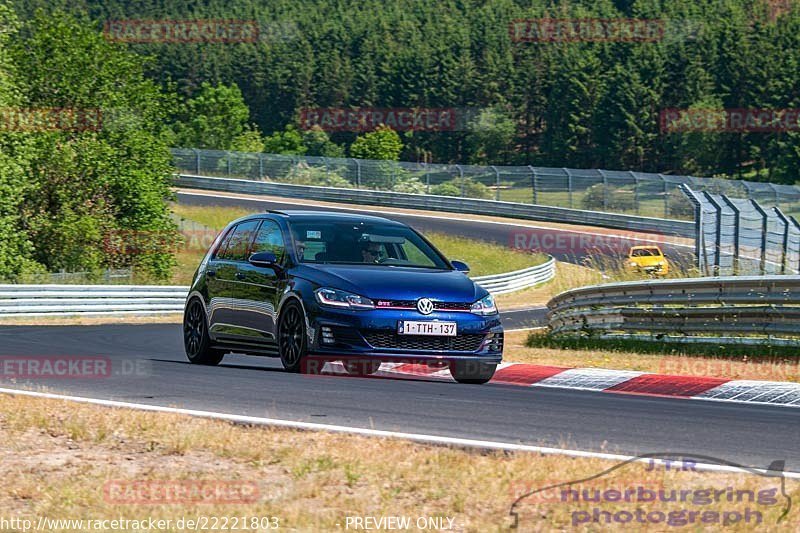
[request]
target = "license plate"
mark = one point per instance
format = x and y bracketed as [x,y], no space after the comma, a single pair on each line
[411,327]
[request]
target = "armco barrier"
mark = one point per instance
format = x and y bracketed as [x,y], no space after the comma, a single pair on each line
[738,306]
[520,279]
[58,300]
[44,300]
[431,202]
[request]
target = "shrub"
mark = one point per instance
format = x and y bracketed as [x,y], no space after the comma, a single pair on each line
[470,188]
[448,188]
[305,175]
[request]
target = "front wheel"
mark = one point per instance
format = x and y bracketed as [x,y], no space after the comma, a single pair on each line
[292,337]
[196,341]
[472,372]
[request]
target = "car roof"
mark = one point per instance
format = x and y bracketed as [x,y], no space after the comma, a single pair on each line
[647,246]
[338,216]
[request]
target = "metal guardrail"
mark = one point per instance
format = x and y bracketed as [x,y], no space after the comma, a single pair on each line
[519,279]
[735,306]
[93,300]
[679,228]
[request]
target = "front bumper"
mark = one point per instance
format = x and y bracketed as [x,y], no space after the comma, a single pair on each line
[373,334]
[655,270]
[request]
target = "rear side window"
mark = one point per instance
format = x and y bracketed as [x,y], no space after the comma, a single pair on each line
[238,242]
[223,244]
[270,239]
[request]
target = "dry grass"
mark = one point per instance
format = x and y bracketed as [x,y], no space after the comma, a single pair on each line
[568,276]
[58,457]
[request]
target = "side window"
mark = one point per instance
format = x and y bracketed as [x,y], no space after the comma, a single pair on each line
[223,244]
[270,239]
[239,242]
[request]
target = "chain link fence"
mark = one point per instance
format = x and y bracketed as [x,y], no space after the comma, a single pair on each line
[737,236]
[636,193]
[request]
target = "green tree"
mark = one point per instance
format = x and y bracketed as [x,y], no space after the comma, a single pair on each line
[286,142]
[490,138]
[568,135]
[15,246]
[318,143]
[249,140]
[95,180]
[216,118]
[622,121]
[384,143]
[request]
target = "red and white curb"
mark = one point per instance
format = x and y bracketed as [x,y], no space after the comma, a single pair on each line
[779,393]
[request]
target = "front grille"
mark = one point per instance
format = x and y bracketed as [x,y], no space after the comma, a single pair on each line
[412,304]
[393,341]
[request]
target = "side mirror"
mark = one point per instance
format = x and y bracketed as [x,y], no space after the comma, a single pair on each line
[263,259]
[461,266]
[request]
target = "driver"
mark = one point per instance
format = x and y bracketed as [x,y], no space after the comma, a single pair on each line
[301,248]
[370,252]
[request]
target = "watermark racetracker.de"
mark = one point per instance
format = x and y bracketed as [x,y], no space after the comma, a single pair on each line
[47,367]
[188,31]
[777,370]
[555,242]
[50,119]
[364,119]
[739,120]
[180,491]
[571,30]
[664,489]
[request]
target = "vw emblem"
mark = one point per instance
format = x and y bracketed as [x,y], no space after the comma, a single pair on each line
[424,306]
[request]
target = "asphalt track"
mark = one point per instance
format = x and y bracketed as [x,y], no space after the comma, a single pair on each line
[564,245]
[148,366]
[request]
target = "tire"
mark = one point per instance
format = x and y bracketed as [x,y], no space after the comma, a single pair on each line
[472,372]
[361,367]
[196,341]
[292,341]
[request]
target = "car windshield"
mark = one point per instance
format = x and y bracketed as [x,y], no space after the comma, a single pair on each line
[645,252]
[359,243]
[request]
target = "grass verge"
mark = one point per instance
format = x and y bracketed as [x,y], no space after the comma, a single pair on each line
[67,461]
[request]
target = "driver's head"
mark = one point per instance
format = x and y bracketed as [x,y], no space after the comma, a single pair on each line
[370,252]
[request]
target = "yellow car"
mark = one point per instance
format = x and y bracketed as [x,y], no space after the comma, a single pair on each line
[647,259]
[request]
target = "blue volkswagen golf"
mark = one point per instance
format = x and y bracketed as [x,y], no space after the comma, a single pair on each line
[315,286]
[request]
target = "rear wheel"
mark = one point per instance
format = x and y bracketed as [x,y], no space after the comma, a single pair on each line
[472,372]
[362,367]
[196,341]
[292,337]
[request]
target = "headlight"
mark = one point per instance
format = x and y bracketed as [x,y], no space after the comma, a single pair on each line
[484,306]
[337,298]
[632,263]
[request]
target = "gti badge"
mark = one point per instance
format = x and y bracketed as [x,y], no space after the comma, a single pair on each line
[424,306]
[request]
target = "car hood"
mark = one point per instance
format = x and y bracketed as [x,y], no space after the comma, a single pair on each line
[395,282]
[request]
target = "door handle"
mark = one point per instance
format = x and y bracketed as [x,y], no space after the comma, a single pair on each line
[240,275]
